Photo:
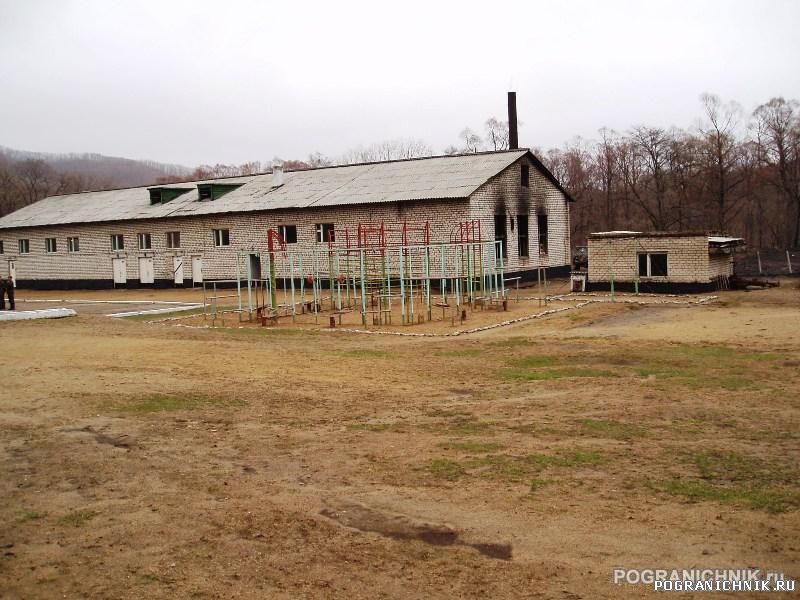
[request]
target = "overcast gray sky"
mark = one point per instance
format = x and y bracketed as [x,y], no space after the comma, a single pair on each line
[206,82]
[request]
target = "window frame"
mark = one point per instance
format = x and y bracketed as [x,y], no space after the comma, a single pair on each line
[648,263]
[115,247]
[2,247]
[282,231]
[50,245]
[171,238]
[320,231]
[503,239]
[142,236]
[73,244]
[543,233]
[24,242]
[219,234]
[523,233]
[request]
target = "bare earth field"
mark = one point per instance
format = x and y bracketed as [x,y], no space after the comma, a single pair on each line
[150,460]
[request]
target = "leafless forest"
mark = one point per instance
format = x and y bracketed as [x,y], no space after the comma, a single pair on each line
[731,172]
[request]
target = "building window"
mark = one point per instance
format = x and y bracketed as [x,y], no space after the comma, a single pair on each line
[541,222]
[204,192]
[145,241]
[173,239]
[222,237]
[2,250]
[288,233]
[500,235]
[73,244]
[325,233]
[525,176]
[117,241]
[522,235]
[50,245]
[24,246]
[653,264]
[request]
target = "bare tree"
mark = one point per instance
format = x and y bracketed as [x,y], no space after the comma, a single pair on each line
[778,129]
[606,171]
[721,156]
[496,134]
[34,177]
[647,181]
[472,141]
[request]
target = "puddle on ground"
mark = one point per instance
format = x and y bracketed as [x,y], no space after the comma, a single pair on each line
[400,527]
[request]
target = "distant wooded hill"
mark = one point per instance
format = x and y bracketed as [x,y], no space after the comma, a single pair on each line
[124,172]
[26,177]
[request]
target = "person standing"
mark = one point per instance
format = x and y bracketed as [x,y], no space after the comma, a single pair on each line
[7,287]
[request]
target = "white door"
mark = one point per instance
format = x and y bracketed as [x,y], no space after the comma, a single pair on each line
[197,269]
[120,272]
[146,274]
[12,271]
[177,268]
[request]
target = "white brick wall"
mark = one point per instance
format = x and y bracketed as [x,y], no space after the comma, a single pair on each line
[687,258]
[505,194]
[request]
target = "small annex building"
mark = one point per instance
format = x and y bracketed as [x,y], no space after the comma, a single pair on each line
[185,233]
[660,261]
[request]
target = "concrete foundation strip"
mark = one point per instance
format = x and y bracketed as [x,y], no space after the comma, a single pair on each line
[29,315]
[70,301]
[155,311]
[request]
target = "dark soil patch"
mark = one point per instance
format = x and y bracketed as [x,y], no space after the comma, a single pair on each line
[400,527]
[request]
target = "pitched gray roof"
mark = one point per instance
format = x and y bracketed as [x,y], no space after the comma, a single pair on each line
[438,177]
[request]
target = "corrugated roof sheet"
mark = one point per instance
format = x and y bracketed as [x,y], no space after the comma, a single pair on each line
[719,239]
[438,177]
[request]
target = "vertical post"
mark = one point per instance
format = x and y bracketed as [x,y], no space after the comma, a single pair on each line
[539,280]
[789,261]
[214,306]
[501,276]
[411,293]
[291,279]
[363,287]
[758,256]
[335,263]
[610,271]
[249,289]
[402,286]
[428,282]
[443,282]
[238,285]
[302,282]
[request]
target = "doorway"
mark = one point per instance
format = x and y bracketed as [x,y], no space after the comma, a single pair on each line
[255,266]
[146,274]
[119,268]
[197,269]
[177,269]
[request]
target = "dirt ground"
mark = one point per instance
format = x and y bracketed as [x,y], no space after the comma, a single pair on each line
[150,460]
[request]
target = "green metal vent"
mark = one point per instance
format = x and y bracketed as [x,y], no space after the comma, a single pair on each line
[160,195]
[214,191]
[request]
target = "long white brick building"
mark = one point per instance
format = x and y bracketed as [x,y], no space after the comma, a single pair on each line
[182,233]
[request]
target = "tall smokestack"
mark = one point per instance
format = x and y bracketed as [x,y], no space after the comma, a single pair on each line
[513,140]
